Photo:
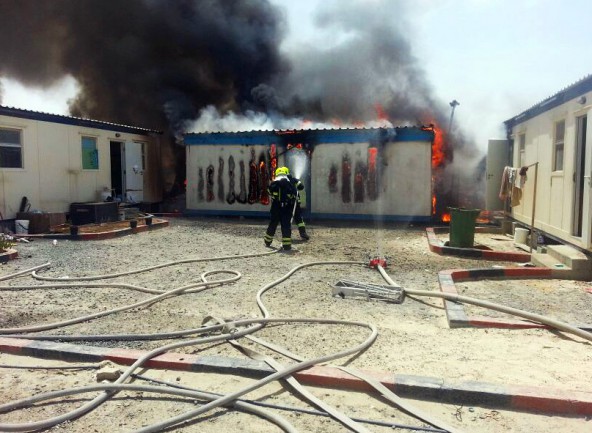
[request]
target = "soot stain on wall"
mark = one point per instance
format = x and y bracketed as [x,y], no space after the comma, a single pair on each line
[358,182]
[366,176]
[230,197]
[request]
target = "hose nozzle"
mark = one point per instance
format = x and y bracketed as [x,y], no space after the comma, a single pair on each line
[377,261]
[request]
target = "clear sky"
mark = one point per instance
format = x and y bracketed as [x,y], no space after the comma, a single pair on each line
[496,57]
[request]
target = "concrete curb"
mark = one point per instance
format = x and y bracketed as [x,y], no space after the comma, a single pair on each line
[474,253]
[156,224]
[531,399]
[455,312]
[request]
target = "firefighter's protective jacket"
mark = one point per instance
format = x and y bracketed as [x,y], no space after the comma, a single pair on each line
[282,191]
[297,184]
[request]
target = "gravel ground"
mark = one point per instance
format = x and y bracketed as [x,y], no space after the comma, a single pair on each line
[413,337]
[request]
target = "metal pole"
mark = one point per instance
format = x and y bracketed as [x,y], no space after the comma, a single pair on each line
[453,104]
[532,236]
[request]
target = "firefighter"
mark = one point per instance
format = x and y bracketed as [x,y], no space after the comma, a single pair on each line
[283,197]
[297,210]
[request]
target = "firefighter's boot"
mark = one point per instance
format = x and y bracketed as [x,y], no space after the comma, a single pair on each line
[303,233]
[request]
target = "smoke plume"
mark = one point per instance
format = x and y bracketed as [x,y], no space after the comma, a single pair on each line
[151,63]
[198,65]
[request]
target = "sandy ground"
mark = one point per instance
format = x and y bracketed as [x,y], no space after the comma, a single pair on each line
[413,339]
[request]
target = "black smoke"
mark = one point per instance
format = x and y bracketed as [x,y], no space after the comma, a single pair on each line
[365,61]
[159,63]
[150,63]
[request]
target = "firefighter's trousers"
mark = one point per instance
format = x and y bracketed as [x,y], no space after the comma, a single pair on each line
[280,215]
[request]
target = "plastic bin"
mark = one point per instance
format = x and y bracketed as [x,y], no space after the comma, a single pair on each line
[21,227]
[521,235]
[462,227]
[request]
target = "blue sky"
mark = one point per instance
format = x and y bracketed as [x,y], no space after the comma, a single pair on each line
[496,57]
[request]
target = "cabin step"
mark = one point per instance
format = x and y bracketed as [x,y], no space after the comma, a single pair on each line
[560,269]
[570,257]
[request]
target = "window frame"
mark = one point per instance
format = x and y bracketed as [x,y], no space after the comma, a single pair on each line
[558,145]
[20,146]
[96,151]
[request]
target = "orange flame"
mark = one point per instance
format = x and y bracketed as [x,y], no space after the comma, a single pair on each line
[273,154]
[437,155]
[306,124]
[446,217]
[372,153]
[380,113]
[437,145]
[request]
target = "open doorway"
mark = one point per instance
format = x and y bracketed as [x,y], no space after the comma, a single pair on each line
[578,178]
[127,170]
[117,170]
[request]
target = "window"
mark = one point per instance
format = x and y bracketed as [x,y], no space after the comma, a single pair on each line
[558,145]
[90,154]
[11,148]
[521,150]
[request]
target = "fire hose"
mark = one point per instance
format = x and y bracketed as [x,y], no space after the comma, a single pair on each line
[235,333]
[557,324]
[227,336]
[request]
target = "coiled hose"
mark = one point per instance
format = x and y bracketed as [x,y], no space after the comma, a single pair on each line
[237,329]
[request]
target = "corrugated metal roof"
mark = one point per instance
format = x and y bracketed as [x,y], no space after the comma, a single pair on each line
[71,120]
[406,133]
[294,131]
[568,93]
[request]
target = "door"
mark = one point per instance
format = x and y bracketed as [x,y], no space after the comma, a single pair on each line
[586,189]
[116,150]
[579,175]
[134,171]
[497,158]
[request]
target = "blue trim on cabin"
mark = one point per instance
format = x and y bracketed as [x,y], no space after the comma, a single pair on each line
[74,121]
[370,217]
[315,136]
[215,212]
[312,216]
[577,89]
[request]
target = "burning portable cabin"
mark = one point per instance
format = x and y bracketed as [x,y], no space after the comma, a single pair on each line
[347,173]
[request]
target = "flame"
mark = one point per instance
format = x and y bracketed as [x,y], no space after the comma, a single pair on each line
[380,113]
[437,144]
[485,217]
[372,153]
[438,156]
[273,154]
[446,217]
[433,204]
[306,124]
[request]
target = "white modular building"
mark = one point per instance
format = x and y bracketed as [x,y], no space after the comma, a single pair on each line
[51,161]
[552,140]
[347,173]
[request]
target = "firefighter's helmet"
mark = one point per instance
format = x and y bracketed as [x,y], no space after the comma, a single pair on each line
[282,171]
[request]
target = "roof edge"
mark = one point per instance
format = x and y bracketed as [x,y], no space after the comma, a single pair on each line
[311,135]
[75,121]
[568,93]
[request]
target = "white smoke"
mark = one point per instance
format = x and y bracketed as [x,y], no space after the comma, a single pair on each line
[211,120]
